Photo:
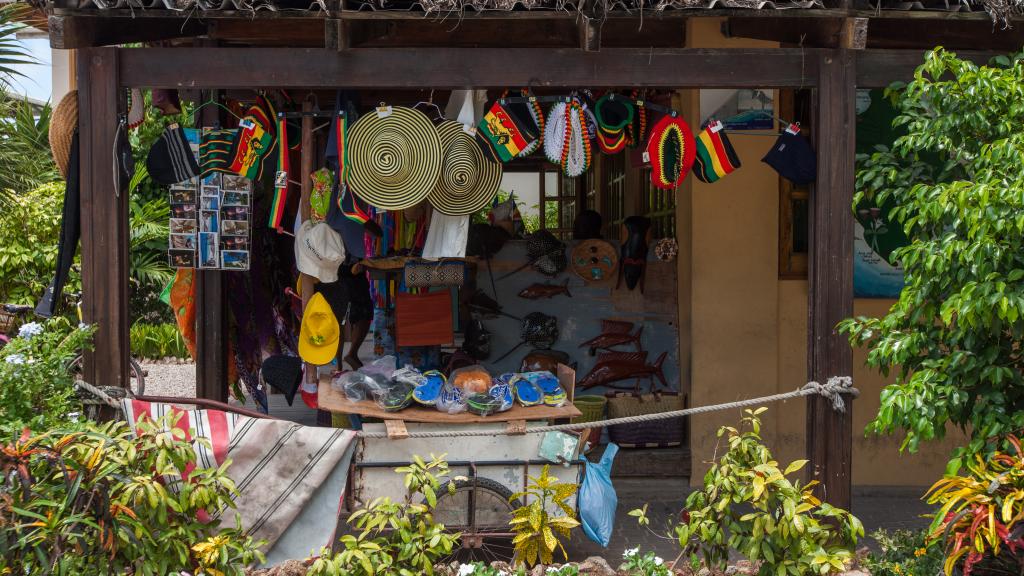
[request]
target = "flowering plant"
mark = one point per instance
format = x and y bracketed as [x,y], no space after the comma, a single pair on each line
[647,564]
[36,386]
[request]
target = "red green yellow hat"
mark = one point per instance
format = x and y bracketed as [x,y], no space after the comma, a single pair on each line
[716,157]
[671,150]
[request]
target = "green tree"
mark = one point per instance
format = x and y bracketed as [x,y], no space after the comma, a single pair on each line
[952,343]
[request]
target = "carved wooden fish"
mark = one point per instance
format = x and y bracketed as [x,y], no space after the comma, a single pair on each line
[614,333]
[617,366]
[538,291]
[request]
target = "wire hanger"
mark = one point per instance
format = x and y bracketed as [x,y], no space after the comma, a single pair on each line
[429,102]
[790,127]
[214,102]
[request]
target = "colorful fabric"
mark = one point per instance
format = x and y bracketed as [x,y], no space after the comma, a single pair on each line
[671,152]
[320,194]
[636,131]
[614,114]
[278,467]
[503,134]
[251,145]
[215,151]
[183,302]
[715,156]
[277,206]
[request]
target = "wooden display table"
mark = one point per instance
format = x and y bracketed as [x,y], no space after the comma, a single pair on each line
[335,401]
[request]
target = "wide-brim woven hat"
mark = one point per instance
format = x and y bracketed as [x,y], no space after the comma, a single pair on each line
[395,158]
[63,123]
[469,181]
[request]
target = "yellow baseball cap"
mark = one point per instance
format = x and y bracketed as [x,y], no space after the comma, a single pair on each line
[319,335]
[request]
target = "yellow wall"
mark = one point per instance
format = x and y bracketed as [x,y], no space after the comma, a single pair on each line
[749,329]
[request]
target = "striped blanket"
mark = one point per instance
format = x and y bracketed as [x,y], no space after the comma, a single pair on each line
[288,476]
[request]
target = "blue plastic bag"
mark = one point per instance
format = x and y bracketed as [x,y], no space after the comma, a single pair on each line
[597,500]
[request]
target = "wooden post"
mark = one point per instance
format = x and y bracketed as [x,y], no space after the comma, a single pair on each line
[211,312]
[830,298]
[104,219]
[305,169]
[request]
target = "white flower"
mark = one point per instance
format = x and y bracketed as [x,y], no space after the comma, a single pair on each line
[553,570]
[30,329]
[82,325]
[630,552]
[16,359]
[658,561]
[466,569]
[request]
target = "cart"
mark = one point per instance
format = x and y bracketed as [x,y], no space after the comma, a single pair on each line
[492,467]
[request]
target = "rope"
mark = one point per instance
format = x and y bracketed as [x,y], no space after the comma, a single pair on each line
[833,390]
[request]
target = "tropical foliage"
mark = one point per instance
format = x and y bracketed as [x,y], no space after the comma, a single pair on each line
[91,501]
[749,505]
[544,520]
[36,388]
[952,342]
[979,519]
[396,538]
[903,553]
[649,564]
[30,228]
[156,341]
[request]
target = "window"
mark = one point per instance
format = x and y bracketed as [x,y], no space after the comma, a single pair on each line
[794,200]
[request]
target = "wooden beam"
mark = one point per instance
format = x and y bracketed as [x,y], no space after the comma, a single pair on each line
[589,34]
[461,68]
[808,32]
[830,286]
[854,34]
[306,152]
[67,32]
[211,313]
[104,219]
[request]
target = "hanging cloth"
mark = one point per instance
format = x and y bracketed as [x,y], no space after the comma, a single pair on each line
[280,177]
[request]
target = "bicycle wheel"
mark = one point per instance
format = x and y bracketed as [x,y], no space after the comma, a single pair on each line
[136,375]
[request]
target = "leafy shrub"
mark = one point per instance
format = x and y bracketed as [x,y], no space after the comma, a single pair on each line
[155,341]
[749,505]
[952,340]
[30,228]
[36,388]
[903,553]
[537,529]
[395,537]
[649,564]
[96,501]
[979,519]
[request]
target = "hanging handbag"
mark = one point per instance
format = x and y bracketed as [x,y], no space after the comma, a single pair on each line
[426,274]
[424,319]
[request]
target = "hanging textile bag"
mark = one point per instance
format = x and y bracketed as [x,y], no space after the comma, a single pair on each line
[424,319]
[426,274]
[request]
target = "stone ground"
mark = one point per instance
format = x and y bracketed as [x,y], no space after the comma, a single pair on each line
[877,507]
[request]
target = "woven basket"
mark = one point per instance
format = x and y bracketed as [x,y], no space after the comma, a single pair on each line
[63,123]
[593,408]
[654,434]
[339,420]
[8,322]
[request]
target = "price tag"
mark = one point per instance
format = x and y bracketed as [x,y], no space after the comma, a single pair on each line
[471,130]
[383,111]
[280,179]
[716,126]
[647,157]
[794,129]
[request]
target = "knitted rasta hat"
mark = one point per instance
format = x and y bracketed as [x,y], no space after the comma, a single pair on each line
[671,151]
[504,134]
[567,138]
[715,156]
[614,114]
[215,150]
[532,115]
[251,144]
[170,160]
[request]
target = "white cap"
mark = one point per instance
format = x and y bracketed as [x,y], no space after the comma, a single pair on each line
[319,251]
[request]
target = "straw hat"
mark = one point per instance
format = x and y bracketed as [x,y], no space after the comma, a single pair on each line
[468,182]
[63,123]
[395,157]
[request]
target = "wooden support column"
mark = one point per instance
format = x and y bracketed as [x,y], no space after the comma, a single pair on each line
[104,219]
[830,298]
[211,310]
[305,169]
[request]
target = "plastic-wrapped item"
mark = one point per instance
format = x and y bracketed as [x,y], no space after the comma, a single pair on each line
[527,393]
[385,366]
[452,400]
[471,379]
[409,375]
[501,389]
[554,394]
[397,396]
[482,404]
[358,386]
[428,388]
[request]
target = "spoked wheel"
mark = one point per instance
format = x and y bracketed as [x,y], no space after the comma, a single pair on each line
[479,508]
[136,375]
